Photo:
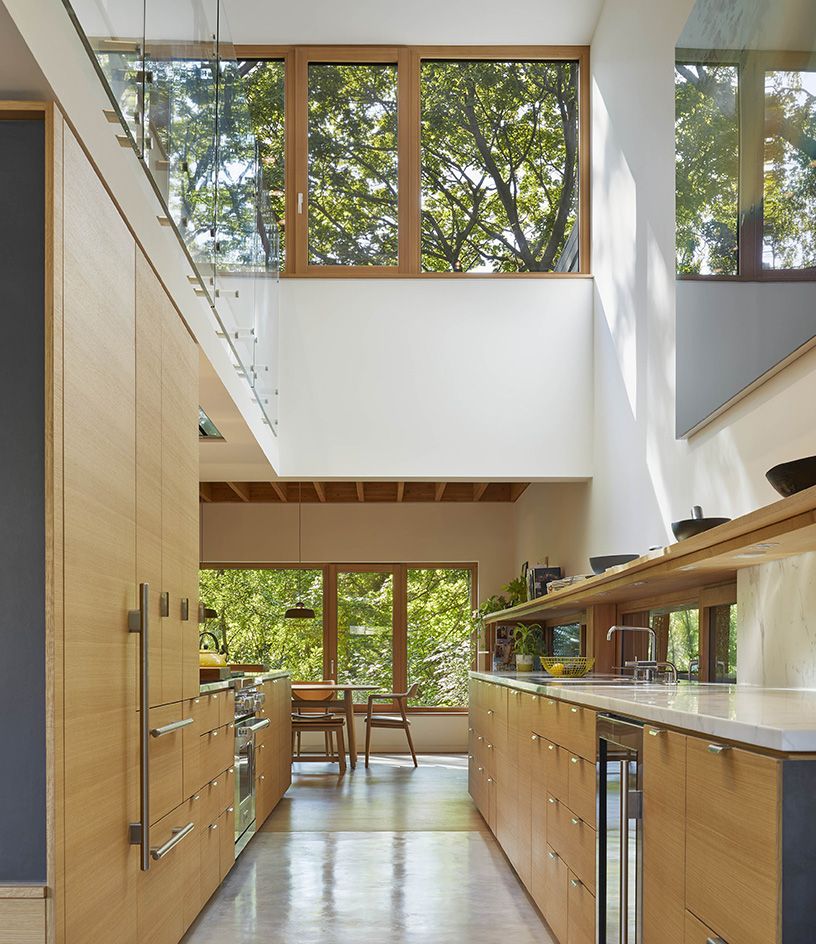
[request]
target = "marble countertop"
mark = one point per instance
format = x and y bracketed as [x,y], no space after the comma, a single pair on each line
[241,681]
[778,719]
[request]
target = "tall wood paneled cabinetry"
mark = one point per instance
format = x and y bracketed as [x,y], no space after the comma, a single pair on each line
[115,371]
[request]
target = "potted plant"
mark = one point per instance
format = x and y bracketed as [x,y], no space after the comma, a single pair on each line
[527,645]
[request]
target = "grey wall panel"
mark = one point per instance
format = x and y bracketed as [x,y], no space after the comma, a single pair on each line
[730,334]
[22,502]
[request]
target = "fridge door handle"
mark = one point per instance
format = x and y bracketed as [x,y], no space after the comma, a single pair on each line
[139,622]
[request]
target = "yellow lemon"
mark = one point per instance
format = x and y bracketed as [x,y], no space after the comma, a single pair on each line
[557,668]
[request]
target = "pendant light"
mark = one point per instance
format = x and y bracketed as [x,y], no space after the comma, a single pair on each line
[299,611]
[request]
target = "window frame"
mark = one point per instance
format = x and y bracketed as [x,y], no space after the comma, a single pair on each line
[399,571]
[408,60]
[751,68]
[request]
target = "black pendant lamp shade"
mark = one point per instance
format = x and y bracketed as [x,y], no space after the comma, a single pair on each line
[299,611]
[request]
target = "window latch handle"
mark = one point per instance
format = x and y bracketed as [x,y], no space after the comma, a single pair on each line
[300,203]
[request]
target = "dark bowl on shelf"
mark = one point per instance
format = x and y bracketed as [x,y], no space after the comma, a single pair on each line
[604,562]
[688,527]
[788,478]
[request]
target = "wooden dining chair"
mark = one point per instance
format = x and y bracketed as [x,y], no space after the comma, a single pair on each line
[390,721]
[302,711]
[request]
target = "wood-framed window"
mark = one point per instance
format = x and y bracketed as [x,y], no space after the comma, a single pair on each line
[386,625]
[746,165]
[430,161]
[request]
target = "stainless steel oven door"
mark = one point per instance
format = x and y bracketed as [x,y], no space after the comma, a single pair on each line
[620,827]
[245,755]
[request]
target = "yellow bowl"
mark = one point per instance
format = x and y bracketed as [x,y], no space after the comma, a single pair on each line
[568,666]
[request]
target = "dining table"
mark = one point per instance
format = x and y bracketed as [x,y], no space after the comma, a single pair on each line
[339,696]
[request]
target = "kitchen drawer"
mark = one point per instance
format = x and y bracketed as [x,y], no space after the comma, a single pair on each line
[664,839]
[160,914]
[211,839]
[226,857]
[209,710]
[578,733]
[216,752]
[582,788]
[213,799]
[190,854]
[733,871]
[580,912]
[546,718]
[556,770]
[166,760]
[698,933]
[572,839]
[551,889]
[227,707]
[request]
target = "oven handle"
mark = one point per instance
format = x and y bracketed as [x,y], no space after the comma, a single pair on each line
[252,728]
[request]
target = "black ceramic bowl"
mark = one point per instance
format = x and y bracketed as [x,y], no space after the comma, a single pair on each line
[600,564]
[792,477]
[688,527]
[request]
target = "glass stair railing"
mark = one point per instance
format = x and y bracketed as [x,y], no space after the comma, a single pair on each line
[170,71]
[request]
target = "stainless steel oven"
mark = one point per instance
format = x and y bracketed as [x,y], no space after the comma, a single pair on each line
[620,830]
[247,725]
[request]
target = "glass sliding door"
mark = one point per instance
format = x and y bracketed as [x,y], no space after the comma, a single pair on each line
[365,627]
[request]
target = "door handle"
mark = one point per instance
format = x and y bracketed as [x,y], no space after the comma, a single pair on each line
[170,728]
[139,622]
[172,842]
[715,940]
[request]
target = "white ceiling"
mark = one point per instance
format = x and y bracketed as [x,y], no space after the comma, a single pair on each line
[425,22]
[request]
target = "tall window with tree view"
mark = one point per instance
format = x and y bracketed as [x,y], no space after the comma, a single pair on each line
[707,168]
[789,186]
[365,629]
[438,635]
[352,165]
[499,166]
[678,636]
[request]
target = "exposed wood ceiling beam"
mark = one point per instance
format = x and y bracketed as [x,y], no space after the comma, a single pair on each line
[517,489]
[279,491]
[321,492]
[400,491]
[440,490]
[205,491]
[242,491]
[479,489]
[360,492]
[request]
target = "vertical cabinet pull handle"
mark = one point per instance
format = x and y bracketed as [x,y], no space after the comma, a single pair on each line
[185,609]
[139,622]
[164,604]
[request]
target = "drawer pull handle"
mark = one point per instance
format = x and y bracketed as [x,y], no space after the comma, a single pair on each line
[214,783]
[718,748]
[715,940]
[575,821]
[170,728]
[172,842]
[573,760]
[490,780]
[533,737]
[656,732]
[576,883]
[481,770]
[490,747]
[197,797]
[470,730]
[230,809]
[551,747]
[490,711]
[552,855]
[470,756]
[479,738]
[551,800]
[213,826]
[574,711]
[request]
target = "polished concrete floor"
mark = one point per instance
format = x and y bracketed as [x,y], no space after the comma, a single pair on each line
[390,855]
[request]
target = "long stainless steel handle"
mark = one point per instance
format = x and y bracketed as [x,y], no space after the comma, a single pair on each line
[715,940]
[172,842]
[170,728]
[139,622]
[252,728]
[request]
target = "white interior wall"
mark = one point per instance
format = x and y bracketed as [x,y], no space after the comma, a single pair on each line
[436,378]
[645,478]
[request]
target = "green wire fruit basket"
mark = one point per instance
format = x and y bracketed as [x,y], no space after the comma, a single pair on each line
[568,666]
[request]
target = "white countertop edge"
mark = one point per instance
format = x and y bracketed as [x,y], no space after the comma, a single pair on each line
[619,699]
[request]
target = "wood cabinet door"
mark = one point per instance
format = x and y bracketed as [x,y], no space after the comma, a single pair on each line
[664,836]
[524,822]
[166,762]
[101,782]
[161,917]
[581,912]
[733,833]
[179,387]
[551,890]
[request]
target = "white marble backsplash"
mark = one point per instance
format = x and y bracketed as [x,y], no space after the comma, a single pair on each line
[776,634]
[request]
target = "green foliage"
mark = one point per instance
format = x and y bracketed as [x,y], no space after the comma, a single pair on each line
[516,590]
[251,604]
[499,164]
[684,641]
[707,168]
[352,113]
[528,640]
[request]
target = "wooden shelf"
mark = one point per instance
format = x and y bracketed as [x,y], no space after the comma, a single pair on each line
[783,529]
